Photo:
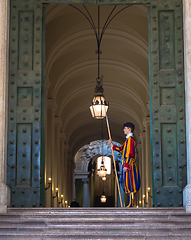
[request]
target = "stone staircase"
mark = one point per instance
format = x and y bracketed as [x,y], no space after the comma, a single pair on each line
[95,223]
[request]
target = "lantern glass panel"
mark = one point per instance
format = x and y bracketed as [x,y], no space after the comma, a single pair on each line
[99,107]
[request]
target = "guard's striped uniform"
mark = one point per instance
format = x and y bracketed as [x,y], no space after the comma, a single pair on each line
[130,180]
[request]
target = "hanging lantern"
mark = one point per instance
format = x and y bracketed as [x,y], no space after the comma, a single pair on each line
[103,198]
[102,171]
[99,106]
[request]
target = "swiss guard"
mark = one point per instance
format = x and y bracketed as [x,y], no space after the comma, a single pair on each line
[130,177]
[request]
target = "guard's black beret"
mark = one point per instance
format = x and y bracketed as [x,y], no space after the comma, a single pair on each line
[129,125]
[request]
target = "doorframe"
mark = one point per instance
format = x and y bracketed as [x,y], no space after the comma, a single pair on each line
[43,87]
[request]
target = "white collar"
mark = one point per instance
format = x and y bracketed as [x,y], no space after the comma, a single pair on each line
[129,135]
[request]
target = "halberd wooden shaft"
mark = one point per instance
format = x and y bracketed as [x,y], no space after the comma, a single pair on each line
[114,161]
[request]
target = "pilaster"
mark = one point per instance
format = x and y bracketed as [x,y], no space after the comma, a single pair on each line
[4,50]
[187,73]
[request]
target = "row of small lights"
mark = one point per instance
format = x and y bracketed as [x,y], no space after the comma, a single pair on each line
[144,196]
[62,196]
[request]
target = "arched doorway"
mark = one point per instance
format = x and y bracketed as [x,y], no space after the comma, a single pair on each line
[26,159]
[87,162]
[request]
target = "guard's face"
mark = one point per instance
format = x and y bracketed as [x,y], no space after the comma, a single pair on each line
[126,130]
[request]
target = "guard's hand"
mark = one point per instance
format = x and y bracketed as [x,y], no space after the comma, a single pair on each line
[125,169]
[110,141]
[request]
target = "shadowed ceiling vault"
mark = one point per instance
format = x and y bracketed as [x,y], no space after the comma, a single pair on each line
[71,70]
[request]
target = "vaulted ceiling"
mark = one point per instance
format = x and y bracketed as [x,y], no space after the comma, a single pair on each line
[71,70]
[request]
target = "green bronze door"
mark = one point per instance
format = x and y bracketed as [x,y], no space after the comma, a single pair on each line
[26,100]
[25,165]
[167,103]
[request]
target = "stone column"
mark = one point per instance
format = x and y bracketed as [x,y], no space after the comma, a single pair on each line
[187,68]
[85,192]
[148,184]
[139,148]
[4,63]
[143,169]
[92,190]
[49,153]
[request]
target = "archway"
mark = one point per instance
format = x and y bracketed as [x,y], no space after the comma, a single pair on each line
[128,74]
[26,120]
[86,166]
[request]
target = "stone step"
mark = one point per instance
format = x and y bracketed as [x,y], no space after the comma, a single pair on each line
[96,234]
[96,212]
[92,225]
[76,220]
[95,223]
[156,211]
[63,214]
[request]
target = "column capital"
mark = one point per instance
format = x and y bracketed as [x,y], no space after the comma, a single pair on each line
[51,103]
[85,180]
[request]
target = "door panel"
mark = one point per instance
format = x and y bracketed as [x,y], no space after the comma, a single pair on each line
[167,103]
[24,131]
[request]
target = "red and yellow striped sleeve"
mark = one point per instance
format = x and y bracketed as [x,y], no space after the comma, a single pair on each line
[118,149]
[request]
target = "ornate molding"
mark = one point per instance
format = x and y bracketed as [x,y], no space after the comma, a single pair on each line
[90,151]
